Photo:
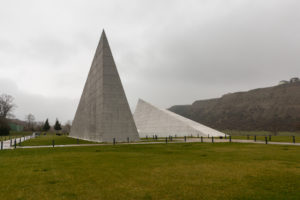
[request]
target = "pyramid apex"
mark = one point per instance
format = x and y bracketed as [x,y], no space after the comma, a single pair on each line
[142,101]
[103,35]
[103,42]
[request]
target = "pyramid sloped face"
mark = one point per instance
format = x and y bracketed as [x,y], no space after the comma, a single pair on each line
[151,120]
[103,112]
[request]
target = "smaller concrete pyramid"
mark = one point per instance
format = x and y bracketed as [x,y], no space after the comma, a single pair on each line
[103,112]
[151,120]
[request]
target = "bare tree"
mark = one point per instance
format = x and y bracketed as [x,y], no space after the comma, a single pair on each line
[4,127]
[67,127]
[39,126]
[6,105]
[30,121]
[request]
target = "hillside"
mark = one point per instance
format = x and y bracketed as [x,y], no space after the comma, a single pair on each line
[273,108]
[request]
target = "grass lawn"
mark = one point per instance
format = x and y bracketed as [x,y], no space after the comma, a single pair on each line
[157,171]
[273,138]
[242,137]
[260,133]
[15,135]
[260,136]
[20,134]
[47,140]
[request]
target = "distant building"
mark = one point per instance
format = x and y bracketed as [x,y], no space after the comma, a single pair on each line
[294,80]
[16,127]
[283,82]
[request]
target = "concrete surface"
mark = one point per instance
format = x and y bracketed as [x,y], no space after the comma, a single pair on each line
[151,120]
[6,143]
[103,112]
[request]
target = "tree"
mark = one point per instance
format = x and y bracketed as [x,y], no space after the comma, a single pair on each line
[57,125]
[297,124]
[6,108]
[46,126]
[274,124]
[6,105]
[67,127]
[39,126]
[30,121]
[4,127]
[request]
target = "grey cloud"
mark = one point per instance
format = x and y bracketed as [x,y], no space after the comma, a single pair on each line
[41,107]
[251,47]
[167,52]
[50,50]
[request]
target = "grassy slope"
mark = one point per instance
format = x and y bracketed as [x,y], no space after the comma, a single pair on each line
[47,140]
[20,134]
[260,133]
[14,134]
[273,138]
[173,171]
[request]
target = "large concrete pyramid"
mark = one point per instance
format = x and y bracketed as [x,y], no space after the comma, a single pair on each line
[151,120]
[103,112]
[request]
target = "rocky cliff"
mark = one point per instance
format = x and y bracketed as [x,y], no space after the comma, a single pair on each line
[273,108]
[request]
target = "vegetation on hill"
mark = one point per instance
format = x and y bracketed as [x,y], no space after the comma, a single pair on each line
[274,109]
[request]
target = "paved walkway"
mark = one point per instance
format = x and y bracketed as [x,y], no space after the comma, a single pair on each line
[189,140]
[10,144]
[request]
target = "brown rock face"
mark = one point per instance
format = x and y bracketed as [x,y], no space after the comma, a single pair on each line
[273,108]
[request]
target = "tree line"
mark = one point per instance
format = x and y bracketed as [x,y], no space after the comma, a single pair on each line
[7,107]
[32,125]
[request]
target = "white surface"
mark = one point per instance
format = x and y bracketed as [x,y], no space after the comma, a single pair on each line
[151,120]
[6,143]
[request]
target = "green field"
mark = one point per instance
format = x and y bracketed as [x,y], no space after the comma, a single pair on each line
[260,133]
[241,137]
[58,140]
[22,133]
[157,171]
[273,138]
[14,134]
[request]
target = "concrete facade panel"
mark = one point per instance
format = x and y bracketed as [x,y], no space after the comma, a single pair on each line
[151,120]
[103,112]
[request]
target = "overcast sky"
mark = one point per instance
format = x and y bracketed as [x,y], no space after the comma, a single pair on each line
[167,52]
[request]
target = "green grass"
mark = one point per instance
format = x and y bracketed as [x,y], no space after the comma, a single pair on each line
[273,138]
[157,171]
[260,133]
[242,137]
[15,135]
[20,134]
[47,140]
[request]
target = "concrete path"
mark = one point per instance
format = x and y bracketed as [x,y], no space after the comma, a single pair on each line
[9,144]
[189,140]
